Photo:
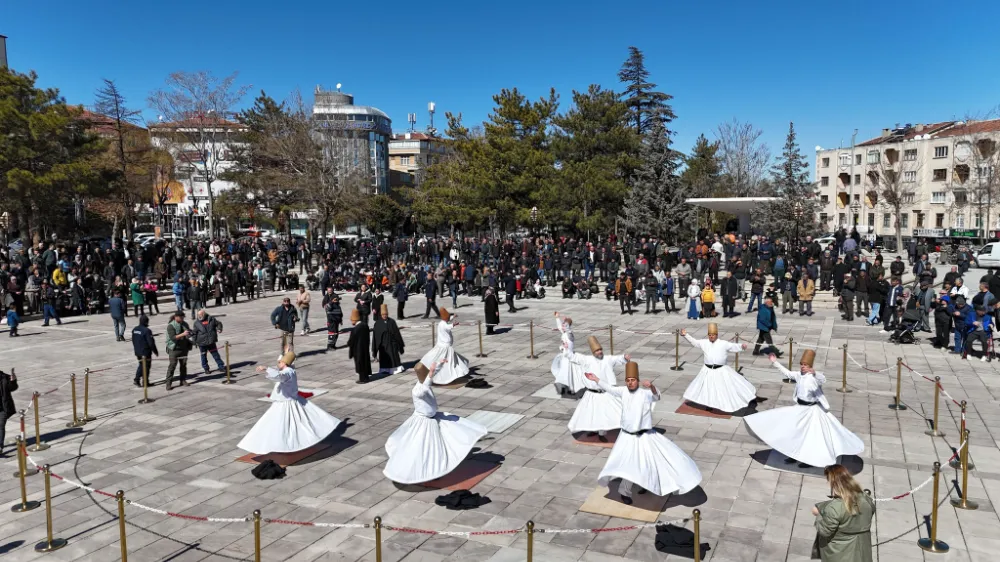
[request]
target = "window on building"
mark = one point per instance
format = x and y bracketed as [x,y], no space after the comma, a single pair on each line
[871,219]
[979,221]
[891,155]
[886,217]
[874,157]
[910,155]
[909,177]
[937,197]
[961,174]
[939,220]
[404,160]
[940,152]
[940,174]
[845,159]
[826,162]
[857,197]
[907,198]
[824,181]
[959,220]
[842,219]
[824,199]
[984,171]
[904,220]
[961,197]
[920,220]
[823,218]
[857,159]
[845,179]
[857,179]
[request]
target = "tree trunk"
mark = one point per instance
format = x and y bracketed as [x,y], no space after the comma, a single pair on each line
[899,232]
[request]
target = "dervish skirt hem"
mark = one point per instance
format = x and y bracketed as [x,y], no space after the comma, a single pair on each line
[455,365]
[652,461]
[596,411]
[288,426]
[424,449]
[568,375]
[807,434]
[723,389]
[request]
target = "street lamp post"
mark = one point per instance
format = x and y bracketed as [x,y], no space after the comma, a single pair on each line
[851,217]
[534,220]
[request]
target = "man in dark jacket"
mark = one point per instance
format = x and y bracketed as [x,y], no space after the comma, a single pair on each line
[284,318]
[117,307]
[510,288]
[8,384]
[400,293]
[847,297]
[144,347]
[357,346]
[767,322]
[334,317]
[730,289]
[205,333]
[387,343]
[178,346]
[430,293]
[650,284]
[492,310]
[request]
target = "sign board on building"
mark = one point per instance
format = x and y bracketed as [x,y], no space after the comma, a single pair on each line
[928,232]
[963,233]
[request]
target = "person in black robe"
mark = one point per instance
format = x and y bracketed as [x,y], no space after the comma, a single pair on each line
[387,343]
[357,345]
[334,317]
[492,310]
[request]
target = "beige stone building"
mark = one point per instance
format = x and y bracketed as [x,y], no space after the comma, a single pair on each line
[942,174]
[410,153]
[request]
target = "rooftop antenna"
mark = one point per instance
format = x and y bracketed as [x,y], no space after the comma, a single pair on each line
[430,109]
[412,118]
[338,86]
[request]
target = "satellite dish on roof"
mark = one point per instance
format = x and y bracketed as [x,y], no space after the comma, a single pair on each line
[338,86]
[818,148]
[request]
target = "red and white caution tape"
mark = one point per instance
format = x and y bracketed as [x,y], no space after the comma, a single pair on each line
[612,529]
[869,369]
[925,482]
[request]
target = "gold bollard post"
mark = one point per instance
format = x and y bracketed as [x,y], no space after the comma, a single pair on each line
[697,535]
[737,365]
[120,496]
[677,352]
[791,357]
[145,381]
[934,431]
[49,544]
[284,341]
[378,539]
[38,446]
[479,327]
[77,422]
[22,448]
[228,380]
[531,539]
[843,381]
[256,535]
[531,329]
[611,336]
[931,544]
[964,502]
[898,404]
[86,397]
[22,462]
[958,461]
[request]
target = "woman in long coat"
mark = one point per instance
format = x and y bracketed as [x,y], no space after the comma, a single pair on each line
[843,524]
[492,311]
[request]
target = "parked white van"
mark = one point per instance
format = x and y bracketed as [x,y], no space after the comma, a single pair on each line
[988,255]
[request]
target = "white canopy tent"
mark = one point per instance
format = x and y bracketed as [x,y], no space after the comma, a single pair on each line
[739,206]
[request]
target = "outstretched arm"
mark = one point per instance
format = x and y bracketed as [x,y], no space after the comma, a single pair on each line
[612,390]
[788,374]
[275,374]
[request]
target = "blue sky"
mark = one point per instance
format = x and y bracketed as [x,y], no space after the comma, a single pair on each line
[829,67]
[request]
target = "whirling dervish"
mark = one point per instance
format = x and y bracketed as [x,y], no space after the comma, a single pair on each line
[454,365]
[292,423]
[641,455]
[429,444]
[806,432]
[598,410]
[717,385]
[569,376]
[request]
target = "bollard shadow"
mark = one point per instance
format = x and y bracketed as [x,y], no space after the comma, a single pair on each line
[54,435]
[4,549]
[321,351]
[240,365]
[193,547]
[498,331]
[28,335]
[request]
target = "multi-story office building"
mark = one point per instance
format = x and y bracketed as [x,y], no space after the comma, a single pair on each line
[356,136]
[942,175]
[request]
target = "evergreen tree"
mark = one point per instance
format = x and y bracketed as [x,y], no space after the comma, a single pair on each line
[656,203]
[793,213]
[702,176]
[646,104]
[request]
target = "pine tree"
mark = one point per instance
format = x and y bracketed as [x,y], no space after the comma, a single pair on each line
[793,213]
[646,104]
[703,169]
[656,204]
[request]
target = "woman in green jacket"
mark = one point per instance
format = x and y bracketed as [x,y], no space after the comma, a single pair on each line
[843,524]
[137,297]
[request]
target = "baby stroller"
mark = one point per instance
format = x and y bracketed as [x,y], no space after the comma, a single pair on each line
[908,322]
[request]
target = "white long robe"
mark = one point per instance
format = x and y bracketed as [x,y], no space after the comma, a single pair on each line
[723,388]
[291,423]
[569,377]
[809,434]
[650,459]
[597,411]
[429,444]
[455,365]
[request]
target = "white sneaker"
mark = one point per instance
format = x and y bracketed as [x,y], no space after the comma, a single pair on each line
[982,359]
[883,332]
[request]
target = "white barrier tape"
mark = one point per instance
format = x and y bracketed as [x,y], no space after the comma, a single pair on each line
[869,369]
[922,484]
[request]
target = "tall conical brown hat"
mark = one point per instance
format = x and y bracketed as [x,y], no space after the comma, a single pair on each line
[355,315]
[422,371]
[384,309]
[808,356]
[631,370]
[713,328]
[595,345]
[445,315]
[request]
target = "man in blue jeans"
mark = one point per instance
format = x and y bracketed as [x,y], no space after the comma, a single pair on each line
[118,307]
[205,332]
[756,289]
[49,300]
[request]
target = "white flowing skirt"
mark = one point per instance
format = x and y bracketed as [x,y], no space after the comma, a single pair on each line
[597,411]
[723,389]
[807,434]
[653,462]
[568,375]
[455,365]
[424,449]
[288,426]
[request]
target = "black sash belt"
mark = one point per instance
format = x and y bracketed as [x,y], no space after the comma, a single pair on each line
[637,433]
[595,390]
[713,366]
[804,403]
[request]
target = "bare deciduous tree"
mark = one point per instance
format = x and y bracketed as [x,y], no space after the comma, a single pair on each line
[743,156]
[893,183]
[974,181]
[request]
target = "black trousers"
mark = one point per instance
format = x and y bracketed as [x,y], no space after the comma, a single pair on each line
[510,302]
[625,302]
[650,299]
[332,333]
[728,305]
[668,303]
[399,310]
[176,358]
[763,337]
[138,369]
[431,306]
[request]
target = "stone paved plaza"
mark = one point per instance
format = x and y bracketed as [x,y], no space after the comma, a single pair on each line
[179,453]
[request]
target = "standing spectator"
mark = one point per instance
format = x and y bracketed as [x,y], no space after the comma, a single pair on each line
[708,300]
[178,346]
[430,293]
[364,300]
[861,293]
[669,286]
[8,384]
[694,300]
[843,524]
[756,289]
[144,347]
[767,322]
[137,297]
[196,295]
[205,333]
[730,289]
[178,291]
[807,290]
[12,322]
[302,301]
[492,310]
[400,293]
[149,290]
[118,307]
[623,292]
[284,318]
[334,317]
[847,297]
[49,299]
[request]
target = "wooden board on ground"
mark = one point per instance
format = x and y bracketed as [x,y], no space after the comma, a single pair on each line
[465,477]
[285,459]
[688,409]
[585,438]
[645,507]
[495,422]
[316,392]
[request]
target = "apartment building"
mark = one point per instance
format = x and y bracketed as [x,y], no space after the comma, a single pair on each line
[412,152]
[942,175]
